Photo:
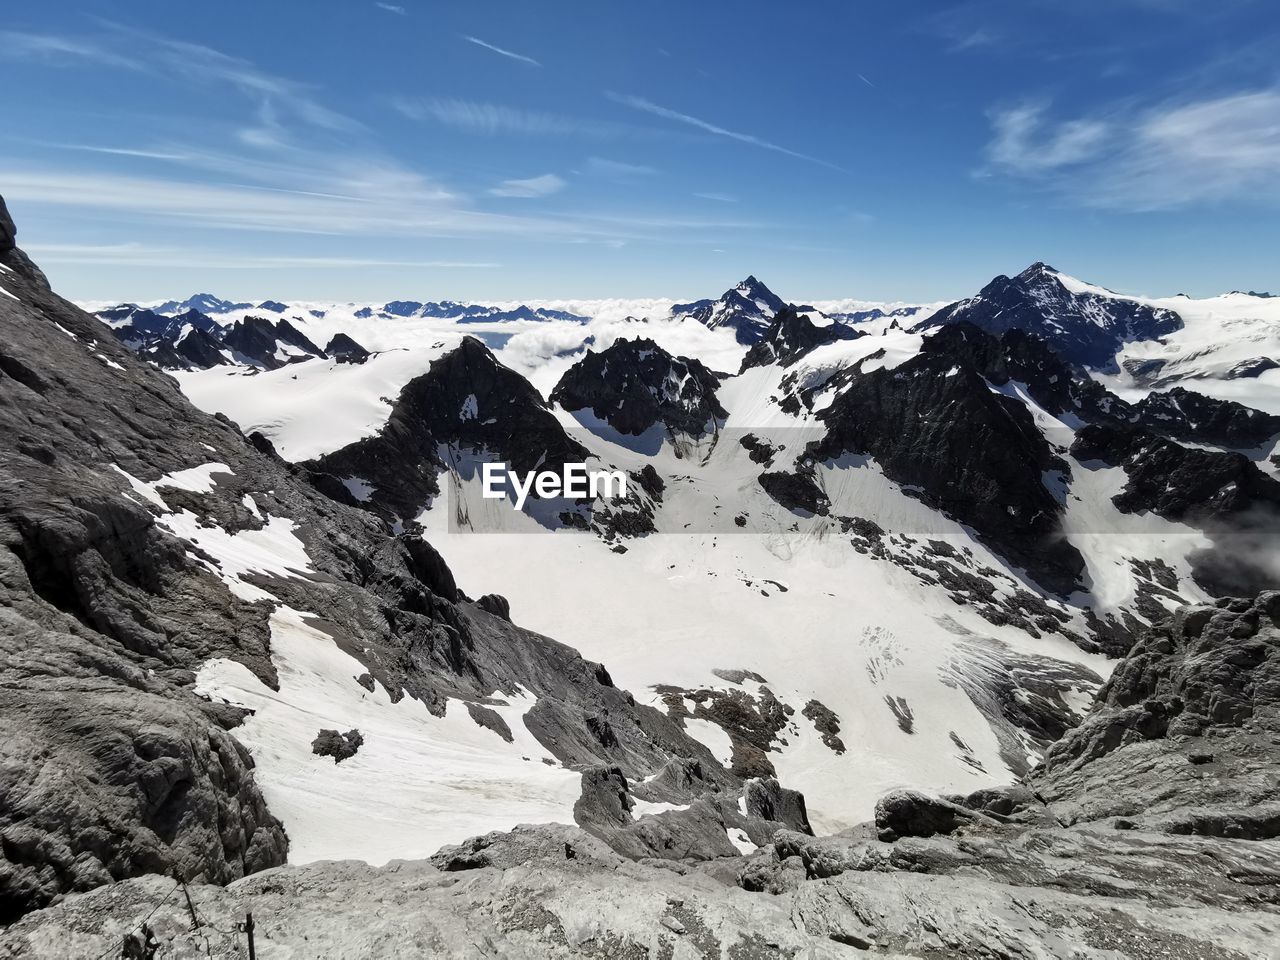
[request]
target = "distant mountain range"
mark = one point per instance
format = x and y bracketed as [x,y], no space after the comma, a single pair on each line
[1141,340]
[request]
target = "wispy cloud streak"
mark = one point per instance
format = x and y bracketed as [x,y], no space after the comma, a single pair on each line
[542,186]
[506,53]
[648,106]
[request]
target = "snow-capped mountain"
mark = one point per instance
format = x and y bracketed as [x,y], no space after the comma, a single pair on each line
[203,302]
[1086,324]
[746,310]
[192,340]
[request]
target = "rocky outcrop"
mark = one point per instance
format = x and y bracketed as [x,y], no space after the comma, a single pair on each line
[1016,357]
[934,425]
[345,350]
[1186,415]
[1204,487]
[790,336]
[635,384]
[1185,736]
[259,341]
[1088,326]
[340,746]
[455,405]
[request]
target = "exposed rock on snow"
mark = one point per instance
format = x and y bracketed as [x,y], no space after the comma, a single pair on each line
[1183,414]
[635,384]
[511,423]
[790,336]
[340,746]
[345,350]
[935,425]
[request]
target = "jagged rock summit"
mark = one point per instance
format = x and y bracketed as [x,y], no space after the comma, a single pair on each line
[635,384]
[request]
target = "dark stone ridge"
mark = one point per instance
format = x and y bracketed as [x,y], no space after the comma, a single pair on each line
[345,350]
[491,720]
[1185,415]
[1016,355]
[1251,368]
[635,384]
[754,722]
[455,405]
[200,350]
[1087,328]
[935,425]
[340,746]
[650,481]
[747,309]
[193,340]
[274,306]
[789,337]
[259,340]
[760,451]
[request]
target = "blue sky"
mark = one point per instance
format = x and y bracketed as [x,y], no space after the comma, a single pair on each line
[343,149]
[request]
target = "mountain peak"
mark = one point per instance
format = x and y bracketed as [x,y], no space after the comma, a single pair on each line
[1036,271]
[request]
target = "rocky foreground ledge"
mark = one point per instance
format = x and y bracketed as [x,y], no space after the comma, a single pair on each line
[1150,831]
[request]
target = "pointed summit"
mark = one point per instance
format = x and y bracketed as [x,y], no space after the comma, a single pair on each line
[747,309]
[1081,322]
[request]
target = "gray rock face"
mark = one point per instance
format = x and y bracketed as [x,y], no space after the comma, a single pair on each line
[1189,723]
[909,813]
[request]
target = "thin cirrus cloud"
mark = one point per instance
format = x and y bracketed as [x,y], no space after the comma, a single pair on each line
[499,50]
[194,63]
[542,186]
[143,255]
[1173,155]
[38,46]
[617,169]
[717,197]
[492,119]
[392,8]
[657,110]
